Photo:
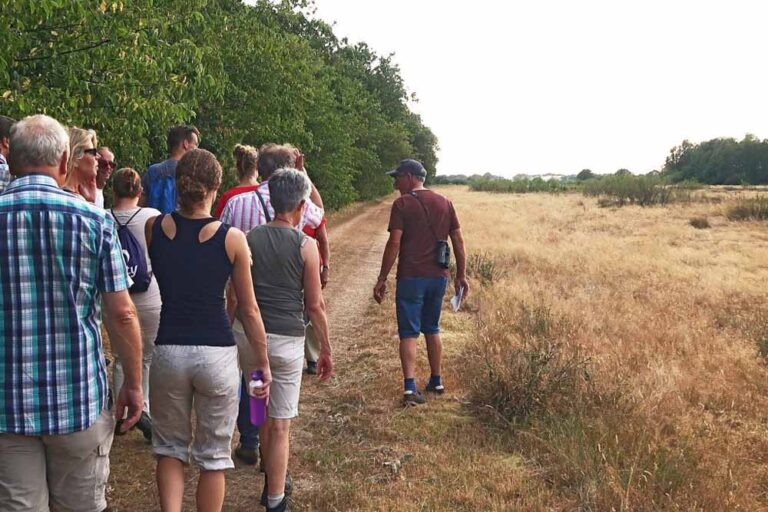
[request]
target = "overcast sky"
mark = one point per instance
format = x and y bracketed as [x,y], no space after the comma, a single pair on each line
[558,86]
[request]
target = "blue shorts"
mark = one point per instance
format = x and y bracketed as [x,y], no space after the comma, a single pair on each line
[418,301]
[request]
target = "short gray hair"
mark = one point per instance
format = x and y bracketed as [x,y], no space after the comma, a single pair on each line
[287,188]
[37,141]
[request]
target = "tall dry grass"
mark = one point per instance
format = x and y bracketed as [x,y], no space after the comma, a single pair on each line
[622,351]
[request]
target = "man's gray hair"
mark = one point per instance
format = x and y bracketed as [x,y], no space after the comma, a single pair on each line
[37,141]
[288,188]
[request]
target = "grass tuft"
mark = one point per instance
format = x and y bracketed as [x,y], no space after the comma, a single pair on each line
[700,223]
[749,209]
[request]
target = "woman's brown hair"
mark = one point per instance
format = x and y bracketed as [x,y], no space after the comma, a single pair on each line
[246,158]
[126,183]
[197,174]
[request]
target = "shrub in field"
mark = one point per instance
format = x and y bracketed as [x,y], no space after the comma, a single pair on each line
[483,266]
[749,209]
[527,363]
[523,186]
[621,190]
[700,223]
[587,433]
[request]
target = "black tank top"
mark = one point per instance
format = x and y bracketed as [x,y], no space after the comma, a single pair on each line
[192,277]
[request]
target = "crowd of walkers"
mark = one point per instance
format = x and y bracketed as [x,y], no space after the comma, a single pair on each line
[192,306]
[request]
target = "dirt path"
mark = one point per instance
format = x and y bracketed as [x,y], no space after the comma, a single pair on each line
[357,244]
[356,248]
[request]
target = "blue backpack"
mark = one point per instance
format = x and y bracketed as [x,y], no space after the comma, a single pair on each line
[134,256]
[162,194]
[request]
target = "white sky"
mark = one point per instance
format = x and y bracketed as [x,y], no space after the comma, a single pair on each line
[561,85]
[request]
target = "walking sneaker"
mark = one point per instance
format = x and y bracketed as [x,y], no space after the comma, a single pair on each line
[145,425]
[413,398]
[281,507]
[247,455]
[437,389]
[287,490]
[311,368]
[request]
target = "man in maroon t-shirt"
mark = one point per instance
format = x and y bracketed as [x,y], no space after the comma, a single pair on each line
[419,220]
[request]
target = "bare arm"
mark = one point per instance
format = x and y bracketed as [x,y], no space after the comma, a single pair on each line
[247,308]
[325,254]
[315,305]
[461,261]
[314,195]
[126,340]
[391,251]
[231,301]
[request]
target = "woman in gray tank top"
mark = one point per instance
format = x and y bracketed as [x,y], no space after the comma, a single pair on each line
[286,281]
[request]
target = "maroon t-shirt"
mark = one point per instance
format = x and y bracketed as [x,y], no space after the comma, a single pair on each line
[417,245]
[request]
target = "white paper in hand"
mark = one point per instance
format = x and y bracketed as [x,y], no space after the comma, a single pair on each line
[456,299]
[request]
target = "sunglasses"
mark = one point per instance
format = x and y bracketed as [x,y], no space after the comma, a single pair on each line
[91,151]
[107,165]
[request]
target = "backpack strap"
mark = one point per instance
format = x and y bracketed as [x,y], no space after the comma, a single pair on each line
[112,211]
[263,205]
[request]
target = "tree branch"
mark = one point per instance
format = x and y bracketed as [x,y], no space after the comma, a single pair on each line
[67,52]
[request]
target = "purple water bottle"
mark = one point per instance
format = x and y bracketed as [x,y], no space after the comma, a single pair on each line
[258,405]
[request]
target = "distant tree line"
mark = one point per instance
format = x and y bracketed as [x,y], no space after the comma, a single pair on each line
[259,73]
[720,162]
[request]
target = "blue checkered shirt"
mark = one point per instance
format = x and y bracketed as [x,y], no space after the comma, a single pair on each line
[57,252]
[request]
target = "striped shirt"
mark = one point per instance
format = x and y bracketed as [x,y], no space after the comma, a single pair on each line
[244,211]
[57,253]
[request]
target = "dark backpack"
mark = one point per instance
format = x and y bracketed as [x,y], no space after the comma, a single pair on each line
[134,256]
[162,194]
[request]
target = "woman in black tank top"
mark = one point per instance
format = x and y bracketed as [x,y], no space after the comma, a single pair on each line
[195,359]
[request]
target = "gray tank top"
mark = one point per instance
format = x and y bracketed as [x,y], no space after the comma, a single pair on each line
[278,278]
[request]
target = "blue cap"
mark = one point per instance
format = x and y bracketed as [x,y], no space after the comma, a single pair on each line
[409,166]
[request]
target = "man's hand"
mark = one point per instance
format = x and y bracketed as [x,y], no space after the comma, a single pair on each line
[461,282]
[324,276]
[324,366]
[379,290]
[132,401]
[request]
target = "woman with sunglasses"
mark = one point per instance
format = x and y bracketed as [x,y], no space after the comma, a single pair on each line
[83,163]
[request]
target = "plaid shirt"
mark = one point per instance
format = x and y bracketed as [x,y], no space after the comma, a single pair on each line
[244,211]
[5,173]
[57,252]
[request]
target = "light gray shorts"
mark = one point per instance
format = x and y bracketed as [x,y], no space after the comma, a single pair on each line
[286,362]
[67,471]
[206,379]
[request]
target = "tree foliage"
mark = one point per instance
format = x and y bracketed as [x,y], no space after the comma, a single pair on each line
[267,72]
[720,162]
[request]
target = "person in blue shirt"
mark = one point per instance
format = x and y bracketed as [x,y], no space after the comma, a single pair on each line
[5,134]
[159,183]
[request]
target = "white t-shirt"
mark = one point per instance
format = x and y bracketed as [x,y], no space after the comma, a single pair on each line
[151,297]
[99,201]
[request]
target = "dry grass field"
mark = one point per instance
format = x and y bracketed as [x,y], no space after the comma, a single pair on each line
[608,359]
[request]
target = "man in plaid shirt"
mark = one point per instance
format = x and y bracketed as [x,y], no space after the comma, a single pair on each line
[58,256]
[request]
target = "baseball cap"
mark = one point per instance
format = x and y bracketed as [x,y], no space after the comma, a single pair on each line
[409,166]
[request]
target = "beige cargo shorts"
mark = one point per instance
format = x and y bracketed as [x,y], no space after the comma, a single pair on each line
[67,471]
[286,362]
[200,378]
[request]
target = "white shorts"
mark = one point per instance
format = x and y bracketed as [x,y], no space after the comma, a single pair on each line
[286,362]
[200,377]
